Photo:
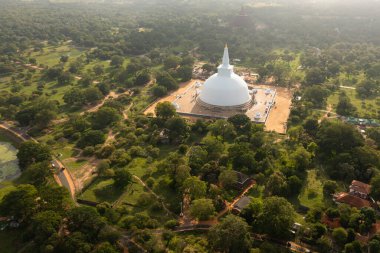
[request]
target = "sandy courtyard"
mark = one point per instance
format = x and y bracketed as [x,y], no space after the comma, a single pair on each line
[271,105]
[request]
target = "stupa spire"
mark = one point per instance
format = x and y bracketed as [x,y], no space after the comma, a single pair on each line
[226,57]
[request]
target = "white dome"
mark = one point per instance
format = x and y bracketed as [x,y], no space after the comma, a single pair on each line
[225,88]
[225,91]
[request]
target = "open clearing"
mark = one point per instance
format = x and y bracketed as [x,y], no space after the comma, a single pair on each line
[367,108]
[312,193]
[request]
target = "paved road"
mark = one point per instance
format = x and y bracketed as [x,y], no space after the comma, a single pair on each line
[62,178]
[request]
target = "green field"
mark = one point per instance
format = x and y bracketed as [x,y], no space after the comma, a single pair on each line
[367,108]
[50,56]
[312,193]
[103,191]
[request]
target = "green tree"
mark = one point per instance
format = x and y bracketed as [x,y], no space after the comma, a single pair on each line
[85,220]
[329,187]
[213,146]
[294,185]
[159,90]
[20,203]
[242,123]
[197,157]
[231,235]
[344,106]
[315,76]
[374,134]
[222,128]
[166,80]
[117,61]
[202,209]
[122,179]
[375,187]
[227,179]
[31,152]
[277,217]
[105,117]
[74,96]
[337,137]
[317,95]
[277,184]
[39,172]
[368,88]
[165,110]
[185,73]
[105,247]
[340,236]
[45,224]
[143,78]
[171,62]
[195,187]
[177,127]
[300,159]
[92,95]
[91,138]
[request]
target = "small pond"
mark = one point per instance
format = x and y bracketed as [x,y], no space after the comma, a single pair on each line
[9,169]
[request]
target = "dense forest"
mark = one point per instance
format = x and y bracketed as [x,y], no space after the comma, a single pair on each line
[76,77]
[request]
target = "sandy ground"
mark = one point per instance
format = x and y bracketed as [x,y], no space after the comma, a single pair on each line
[185,100]
[278,117]
[172,96]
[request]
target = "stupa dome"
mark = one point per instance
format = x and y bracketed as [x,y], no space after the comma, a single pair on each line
[225,88]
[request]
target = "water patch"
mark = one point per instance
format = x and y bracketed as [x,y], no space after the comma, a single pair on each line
[8,162]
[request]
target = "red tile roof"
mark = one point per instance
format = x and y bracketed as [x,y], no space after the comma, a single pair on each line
[351,200]
[375,228]
[330,222]
[360,187]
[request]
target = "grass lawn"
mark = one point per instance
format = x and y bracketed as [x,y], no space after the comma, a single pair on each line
[132,195]
[101,191]
[138,167]
[75,165]
[50,56]
[365,108]
[312,193]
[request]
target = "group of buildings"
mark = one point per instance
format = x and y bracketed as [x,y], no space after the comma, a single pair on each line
[357,196]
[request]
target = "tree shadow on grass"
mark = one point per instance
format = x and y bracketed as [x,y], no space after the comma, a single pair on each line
[108,193]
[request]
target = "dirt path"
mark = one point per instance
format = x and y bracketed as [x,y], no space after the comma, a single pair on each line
[231,205]
[154,194]
[186,221]
[328,112]
[110,137]
[86,172]
[347,87]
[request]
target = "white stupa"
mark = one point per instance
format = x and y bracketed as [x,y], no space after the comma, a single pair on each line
[225,89]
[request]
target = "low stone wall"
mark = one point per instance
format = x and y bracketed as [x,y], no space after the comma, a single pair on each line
[15,139]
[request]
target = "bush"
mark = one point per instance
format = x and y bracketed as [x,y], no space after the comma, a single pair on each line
[88,151]
[171,224]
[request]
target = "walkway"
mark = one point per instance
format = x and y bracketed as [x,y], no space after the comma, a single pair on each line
[154,194]
[347,87]
[63,178]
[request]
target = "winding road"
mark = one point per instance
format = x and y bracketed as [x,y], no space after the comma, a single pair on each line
[63,177]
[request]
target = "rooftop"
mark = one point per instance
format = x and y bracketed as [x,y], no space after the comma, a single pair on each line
[351,200]
[360,187]
[242,203]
